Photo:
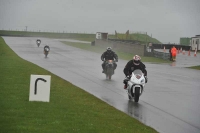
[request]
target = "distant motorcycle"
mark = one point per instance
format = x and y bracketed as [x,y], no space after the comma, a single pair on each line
[38,42]
[109,68]
[46,50]
[135,85]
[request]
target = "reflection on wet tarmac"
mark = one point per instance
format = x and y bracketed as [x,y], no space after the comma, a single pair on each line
[173,64]
[135,110]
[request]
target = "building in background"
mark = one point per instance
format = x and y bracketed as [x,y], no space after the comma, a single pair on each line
[101,35]
[195,42]
[185,41]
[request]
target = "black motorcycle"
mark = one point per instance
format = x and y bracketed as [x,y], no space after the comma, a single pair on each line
[38,42]
[46,51]
[109,68]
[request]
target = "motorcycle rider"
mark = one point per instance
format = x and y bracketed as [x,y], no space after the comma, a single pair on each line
[132,65]
[38,40]
[109,55]
[46,48]
[170,53]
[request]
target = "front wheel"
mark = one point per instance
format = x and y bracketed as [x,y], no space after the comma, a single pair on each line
[109,77]
[45,53]
[137,94]
[129,97]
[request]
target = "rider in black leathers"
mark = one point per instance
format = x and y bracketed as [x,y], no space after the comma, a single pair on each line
[46,47]
[109,55]
[132,65]
[38,40]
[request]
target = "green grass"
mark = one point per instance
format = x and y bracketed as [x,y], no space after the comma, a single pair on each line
[195,67]
[78,36]
[143,38]
[85,39]
[121,55]
[70,109]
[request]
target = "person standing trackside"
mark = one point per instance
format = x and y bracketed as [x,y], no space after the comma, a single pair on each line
[173,51]
[170,54]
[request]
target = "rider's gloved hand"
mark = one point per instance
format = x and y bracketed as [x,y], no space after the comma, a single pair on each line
[146,79]
[128,76]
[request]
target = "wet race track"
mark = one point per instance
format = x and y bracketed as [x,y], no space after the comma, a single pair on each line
[169,104]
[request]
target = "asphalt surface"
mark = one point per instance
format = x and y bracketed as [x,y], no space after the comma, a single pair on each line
[169,104]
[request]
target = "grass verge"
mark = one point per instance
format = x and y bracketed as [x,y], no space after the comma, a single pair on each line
[143,38]
[70,109]
[195,67]
[121,55]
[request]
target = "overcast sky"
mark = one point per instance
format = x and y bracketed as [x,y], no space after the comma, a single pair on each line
[166,20]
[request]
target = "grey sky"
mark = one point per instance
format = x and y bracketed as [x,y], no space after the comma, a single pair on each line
[166,20]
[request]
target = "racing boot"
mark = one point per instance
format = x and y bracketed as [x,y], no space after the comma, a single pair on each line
[125,86]
[103,71]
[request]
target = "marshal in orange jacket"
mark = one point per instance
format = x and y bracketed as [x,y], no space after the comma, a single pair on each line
[173,51]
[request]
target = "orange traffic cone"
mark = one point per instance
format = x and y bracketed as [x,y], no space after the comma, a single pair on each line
[189,53]
[183,52]
[164,49]
[195,53]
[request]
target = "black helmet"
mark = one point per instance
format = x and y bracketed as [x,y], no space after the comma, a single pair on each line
[136,59]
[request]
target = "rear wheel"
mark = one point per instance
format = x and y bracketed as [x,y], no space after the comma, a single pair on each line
[109,76]
[46,54]
[137,94]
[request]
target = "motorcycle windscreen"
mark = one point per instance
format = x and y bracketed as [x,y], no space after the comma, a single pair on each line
[110,61]
[47,49]
[138,73]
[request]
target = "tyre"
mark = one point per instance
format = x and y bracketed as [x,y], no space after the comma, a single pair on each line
[137,94]
[109,77]
[46,54]
[106,76]
[129,97]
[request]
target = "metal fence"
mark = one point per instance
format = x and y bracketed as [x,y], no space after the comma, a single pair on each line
[159,54]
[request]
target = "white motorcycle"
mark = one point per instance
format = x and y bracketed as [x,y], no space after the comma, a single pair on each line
[135,85]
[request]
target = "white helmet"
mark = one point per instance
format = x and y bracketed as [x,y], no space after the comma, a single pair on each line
[136,59]
[109,49]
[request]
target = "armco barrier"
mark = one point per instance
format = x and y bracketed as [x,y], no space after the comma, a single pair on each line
[161,54]
[134,48]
